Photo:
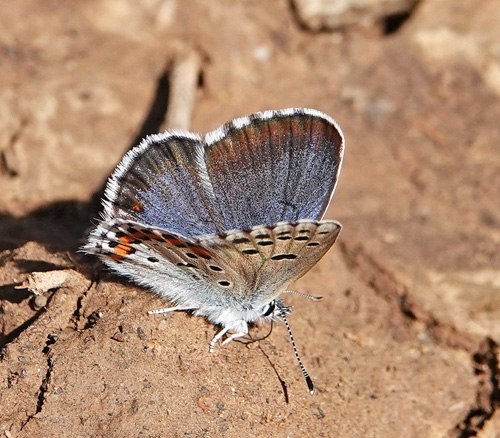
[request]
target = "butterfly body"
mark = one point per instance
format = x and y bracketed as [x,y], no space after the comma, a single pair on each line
[220,225]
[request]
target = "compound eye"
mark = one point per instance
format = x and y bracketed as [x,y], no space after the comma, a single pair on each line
[270,309]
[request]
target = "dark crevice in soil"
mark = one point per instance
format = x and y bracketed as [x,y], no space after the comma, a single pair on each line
[296,17]
[9,161]
[92,320]
[384,284]
[6,167]
[392,23]
[77,315]
[486,367]
[51,339]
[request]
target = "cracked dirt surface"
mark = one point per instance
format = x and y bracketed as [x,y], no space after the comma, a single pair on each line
[406,340]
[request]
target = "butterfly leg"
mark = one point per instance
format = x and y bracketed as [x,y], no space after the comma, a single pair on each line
[217,338]
[170,309]
[234,336]
[240,328]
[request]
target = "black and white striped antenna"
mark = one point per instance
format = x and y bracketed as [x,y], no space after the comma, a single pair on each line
[302,367]
[301,294]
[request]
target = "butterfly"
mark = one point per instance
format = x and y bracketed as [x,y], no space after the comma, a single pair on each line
[221,224]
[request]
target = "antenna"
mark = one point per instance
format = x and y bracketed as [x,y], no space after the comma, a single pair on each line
[301,294]
[302,367]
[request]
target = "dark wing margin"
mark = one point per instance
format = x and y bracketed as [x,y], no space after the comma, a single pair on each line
[274,166]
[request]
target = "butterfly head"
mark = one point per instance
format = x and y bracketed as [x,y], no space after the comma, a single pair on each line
[276,309]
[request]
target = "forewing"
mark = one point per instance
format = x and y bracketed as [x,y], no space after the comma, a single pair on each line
[162,183]
[274,166]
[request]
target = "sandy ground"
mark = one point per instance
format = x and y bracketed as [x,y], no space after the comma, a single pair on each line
[405,342]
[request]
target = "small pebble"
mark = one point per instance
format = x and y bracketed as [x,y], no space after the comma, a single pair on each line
[39,302]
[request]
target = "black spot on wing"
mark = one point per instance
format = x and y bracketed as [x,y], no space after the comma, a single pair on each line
[284,237]
[241,240]
[284,257]
[250,251]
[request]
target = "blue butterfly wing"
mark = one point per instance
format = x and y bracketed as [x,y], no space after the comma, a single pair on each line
[160,183]
[257,170]
[274,166]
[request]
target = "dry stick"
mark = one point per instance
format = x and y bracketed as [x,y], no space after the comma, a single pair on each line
[183,85]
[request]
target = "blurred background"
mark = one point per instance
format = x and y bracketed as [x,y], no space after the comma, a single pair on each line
[415,86]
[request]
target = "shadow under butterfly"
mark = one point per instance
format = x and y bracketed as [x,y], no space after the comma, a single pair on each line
[221,224]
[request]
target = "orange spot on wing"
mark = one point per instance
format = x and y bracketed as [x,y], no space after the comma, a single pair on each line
[175,242]
[200,252]
[123,250]
[115,256]
[136,207]
[127,239]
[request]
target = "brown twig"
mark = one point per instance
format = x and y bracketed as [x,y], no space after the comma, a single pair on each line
[183,85]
